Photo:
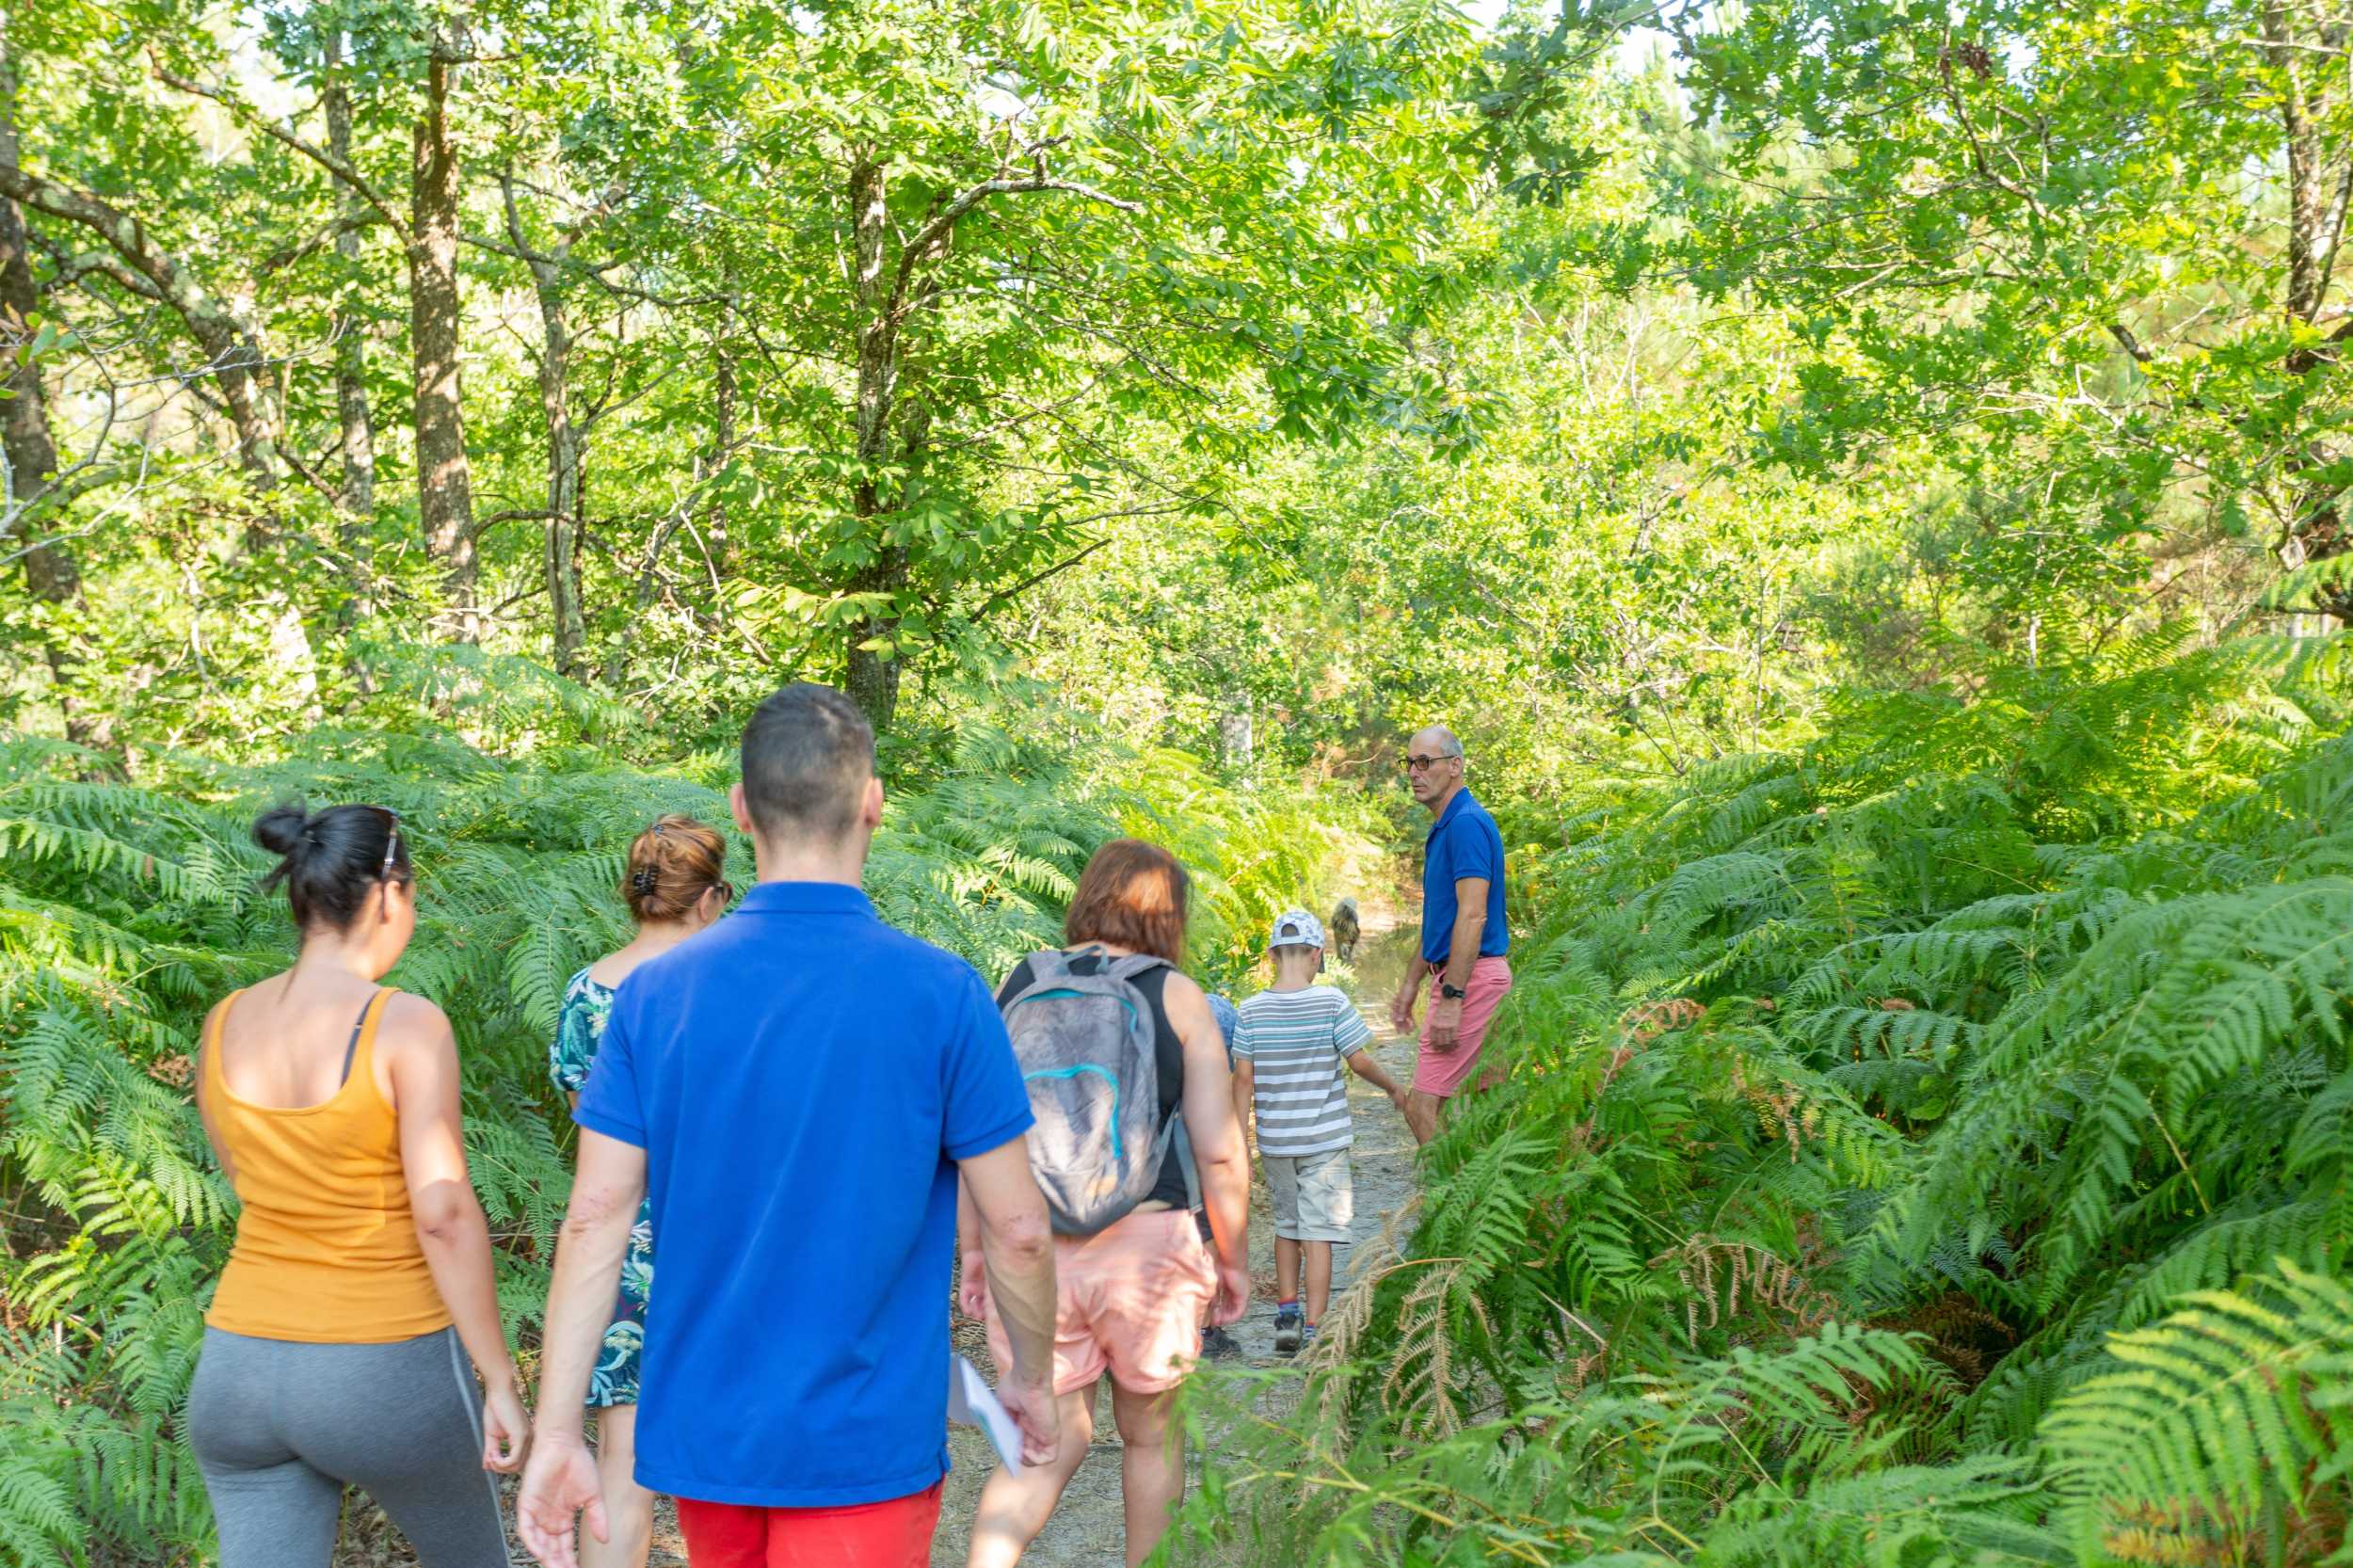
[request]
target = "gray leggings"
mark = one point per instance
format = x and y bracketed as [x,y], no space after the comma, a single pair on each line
[280,1428]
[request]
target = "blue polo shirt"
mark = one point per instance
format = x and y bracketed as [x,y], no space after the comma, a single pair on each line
[802,1079]
[1464,841]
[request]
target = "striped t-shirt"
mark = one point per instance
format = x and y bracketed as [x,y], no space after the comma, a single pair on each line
[1294,1042]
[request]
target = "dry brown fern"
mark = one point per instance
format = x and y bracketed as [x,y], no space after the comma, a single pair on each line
[1419,1390]
[1784,1113]
[1704,1262]
[1958,1333]
[1649,1020]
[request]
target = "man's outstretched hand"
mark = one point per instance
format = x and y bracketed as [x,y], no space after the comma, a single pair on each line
[559,1483]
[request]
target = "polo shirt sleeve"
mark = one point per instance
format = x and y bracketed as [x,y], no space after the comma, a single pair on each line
[1473,849]
[608,1102]
[1349,1032]
[983,1102]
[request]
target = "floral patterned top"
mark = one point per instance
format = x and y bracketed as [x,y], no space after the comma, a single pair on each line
[578,1031]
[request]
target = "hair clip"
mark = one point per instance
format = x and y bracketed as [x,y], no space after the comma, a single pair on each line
[642,880]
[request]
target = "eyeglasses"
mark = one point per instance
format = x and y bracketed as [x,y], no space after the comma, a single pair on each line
[1423,765]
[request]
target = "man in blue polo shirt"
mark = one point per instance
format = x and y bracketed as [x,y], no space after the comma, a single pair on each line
[1463,941]
[797,1089]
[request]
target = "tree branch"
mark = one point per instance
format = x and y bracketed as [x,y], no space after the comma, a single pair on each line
[1035,578]
[936,232]
[286,134]
[73,269]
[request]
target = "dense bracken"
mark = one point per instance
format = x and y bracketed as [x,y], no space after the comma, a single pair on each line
[1926,1145]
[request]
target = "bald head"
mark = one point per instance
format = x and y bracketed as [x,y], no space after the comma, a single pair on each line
[1437,741]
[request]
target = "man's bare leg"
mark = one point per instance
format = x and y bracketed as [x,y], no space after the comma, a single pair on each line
[1421,1114]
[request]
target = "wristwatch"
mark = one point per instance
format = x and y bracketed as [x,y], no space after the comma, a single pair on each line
[1451,993]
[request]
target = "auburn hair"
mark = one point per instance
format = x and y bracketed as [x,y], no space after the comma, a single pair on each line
[1133,894]
[671,866]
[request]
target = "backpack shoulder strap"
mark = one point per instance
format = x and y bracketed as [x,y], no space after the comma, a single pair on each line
[1048,966]
[1134,965]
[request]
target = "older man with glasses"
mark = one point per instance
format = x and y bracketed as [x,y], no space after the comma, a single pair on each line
[1463,937]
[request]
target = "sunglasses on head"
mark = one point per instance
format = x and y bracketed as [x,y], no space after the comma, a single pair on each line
[392,842]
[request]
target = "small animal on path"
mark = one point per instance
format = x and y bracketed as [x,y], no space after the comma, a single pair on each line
[1346,928]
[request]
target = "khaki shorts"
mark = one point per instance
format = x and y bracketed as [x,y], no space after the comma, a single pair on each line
[1315,1197]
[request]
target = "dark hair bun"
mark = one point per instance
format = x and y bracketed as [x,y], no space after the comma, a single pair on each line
[331,860]
[279,829]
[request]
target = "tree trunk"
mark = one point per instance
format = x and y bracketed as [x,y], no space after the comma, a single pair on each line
[356,497]
[50,573]
[722,449]
[2317,199]
[1237,730]
[873,674]
[445,483]
[566,448]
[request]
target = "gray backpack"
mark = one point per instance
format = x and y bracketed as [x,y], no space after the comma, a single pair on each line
[1086,1048]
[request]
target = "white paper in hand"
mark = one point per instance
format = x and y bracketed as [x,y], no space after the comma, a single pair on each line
[973,1403]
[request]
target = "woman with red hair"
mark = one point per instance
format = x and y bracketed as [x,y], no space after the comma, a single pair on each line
[1130,1298]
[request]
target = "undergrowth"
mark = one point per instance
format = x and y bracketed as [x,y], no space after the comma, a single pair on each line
[1930,1144]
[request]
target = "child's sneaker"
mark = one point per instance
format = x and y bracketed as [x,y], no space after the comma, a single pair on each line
[1287,1326]
[1307,1338]
[1218,1345]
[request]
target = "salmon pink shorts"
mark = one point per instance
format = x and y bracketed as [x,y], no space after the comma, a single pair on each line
[1444,1073]
[1129,1300]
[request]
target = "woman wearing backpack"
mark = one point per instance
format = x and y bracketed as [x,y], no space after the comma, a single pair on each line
[360,1284]
[675,886]
[1130,1298]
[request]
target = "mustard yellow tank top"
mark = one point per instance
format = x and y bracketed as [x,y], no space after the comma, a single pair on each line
[327,1248]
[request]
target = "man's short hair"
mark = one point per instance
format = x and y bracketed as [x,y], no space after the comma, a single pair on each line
[808,754]
[1448,746]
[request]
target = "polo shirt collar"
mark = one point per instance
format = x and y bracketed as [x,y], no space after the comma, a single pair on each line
[1454,808]
[805,898]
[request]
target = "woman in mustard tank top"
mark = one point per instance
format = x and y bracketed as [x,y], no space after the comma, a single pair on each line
[360,1287]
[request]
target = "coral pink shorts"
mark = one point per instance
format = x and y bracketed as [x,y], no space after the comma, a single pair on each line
[1129,1300]
[1444,1073]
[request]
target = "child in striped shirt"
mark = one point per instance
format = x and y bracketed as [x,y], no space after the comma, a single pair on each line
[1292,1041]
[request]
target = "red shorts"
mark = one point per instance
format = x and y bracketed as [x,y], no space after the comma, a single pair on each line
[896,1533]
[1443,1072]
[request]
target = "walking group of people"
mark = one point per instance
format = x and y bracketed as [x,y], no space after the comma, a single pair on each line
[805,1110]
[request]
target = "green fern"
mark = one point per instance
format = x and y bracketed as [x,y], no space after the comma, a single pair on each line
[2232,1418]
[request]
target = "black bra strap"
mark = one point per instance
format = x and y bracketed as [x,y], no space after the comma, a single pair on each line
[357,1024]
